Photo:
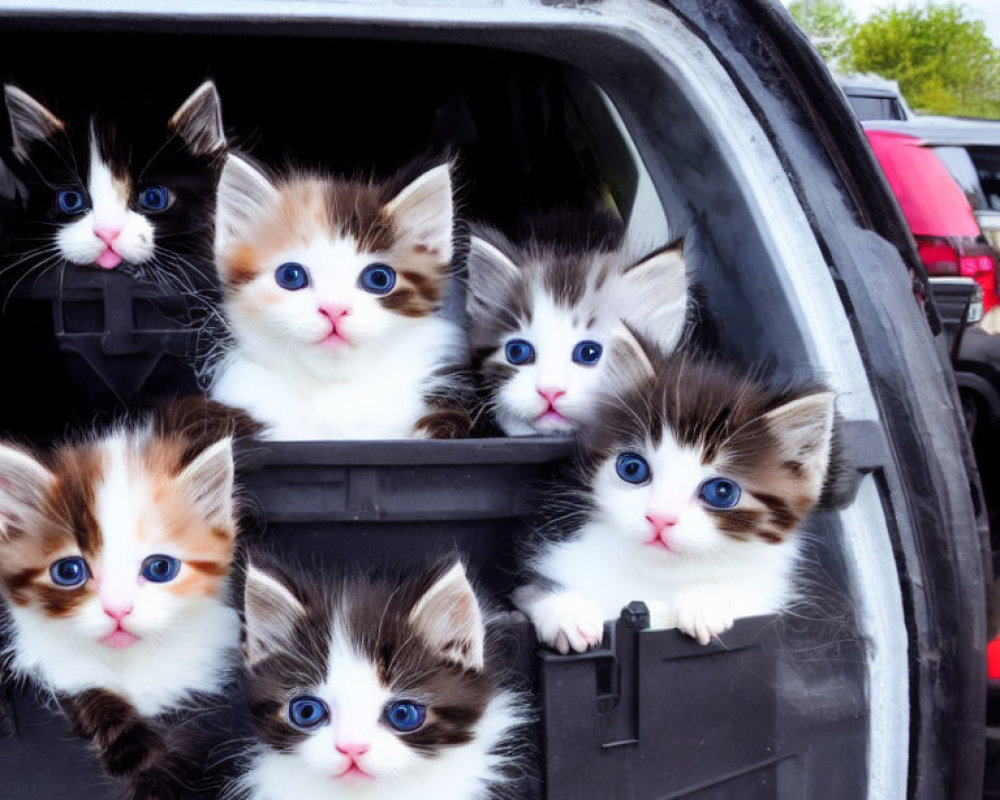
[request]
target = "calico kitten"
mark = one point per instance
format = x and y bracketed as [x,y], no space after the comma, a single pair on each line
[332,289]
[113,191]
[115,556]
[696,478]
[366,688]
[542,313]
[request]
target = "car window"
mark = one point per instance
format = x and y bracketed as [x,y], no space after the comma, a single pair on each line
[960,165]
[987,162]
[869,107]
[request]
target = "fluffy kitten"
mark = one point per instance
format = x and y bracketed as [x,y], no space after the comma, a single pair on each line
[115,556]
[542,314]
[114,191]
[366,688]
[696,478]
[332,289]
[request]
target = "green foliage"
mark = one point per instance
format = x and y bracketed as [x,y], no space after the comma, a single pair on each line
[830,25]
[944,62]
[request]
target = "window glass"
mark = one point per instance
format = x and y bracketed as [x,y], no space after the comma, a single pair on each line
[869,107]
[987,161]
[960,165]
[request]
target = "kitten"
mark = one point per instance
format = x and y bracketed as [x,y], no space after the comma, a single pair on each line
[696,478]
[331,292]
[542,313]
[115,555]
[113,191]
[367,688]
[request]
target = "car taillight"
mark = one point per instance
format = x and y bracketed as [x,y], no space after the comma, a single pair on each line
[963,256]
[983,269]
[940,256]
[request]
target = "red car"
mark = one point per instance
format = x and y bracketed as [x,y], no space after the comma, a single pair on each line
[938,212]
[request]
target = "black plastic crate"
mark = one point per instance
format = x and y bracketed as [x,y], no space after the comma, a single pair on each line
[654,714]
[398,502]
[96,343]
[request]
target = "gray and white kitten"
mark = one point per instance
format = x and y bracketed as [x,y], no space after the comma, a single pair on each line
[695,481]
[542,312]
[370,688]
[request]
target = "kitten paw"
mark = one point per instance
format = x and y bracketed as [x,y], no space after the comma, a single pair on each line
[702,617]
[568,622]
[443,424]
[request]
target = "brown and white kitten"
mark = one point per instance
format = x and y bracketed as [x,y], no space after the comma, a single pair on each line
[542,313]
[332,293]
[115,555]
[371,688]
[695,481]
[108,187]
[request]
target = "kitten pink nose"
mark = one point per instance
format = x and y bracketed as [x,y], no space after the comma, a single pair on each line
[661,522]
[107,233]
[118,613]
[333,311]
[352,748]
[551,394]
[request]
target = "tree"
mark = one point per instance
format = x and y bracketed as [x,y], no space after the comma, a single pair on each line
[944,62]
[830,26]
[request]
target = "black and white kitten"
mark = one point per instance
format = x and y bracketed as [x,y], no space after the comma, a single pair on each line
[542,312]
[113,189]
[695,480]
[368,688]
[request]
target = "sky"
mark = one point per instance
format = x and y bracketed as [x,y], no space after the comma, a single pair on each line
[986,10]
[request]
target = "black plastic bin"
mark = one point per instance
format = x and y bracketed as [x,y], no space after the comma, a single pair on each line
[398,502]
[95,344]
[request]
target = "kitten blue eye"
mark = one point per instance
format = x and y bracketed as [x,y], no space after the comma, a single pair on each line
[291,276]
[588,353]
[69,572]
[720,493]
[155,197]
[632,468]
[405,716]
[519,351]
[71,201]
[308,713]
[160,568]
[377,278]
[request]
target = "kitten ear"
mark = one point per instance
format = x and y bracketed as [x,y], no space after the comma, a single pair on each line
[492,275]
[244,194]
[630,362]
[23,483]
[199,121]
[803,429]
[655,296]
[30,121]
[424,212]
[271,611]
[450,621]
[208,483]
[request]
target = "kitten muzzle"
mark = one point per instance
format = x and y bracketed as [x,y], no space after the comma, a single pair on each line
[660,526]
[354,772]
[109,259]
[119,639]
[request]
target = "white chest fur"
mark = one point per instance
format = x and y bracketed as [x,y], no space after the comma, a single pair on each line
[379,395]
[598,575]
[154,674]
